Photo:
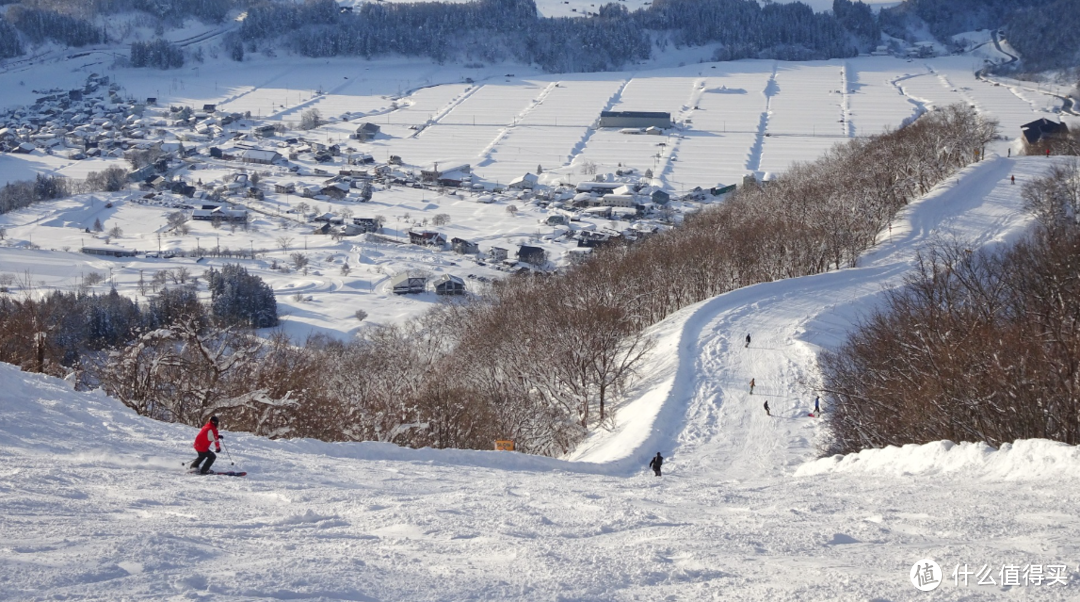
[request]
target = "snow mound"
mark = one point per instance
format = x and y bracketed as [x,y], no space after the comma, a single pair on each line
[1024,459]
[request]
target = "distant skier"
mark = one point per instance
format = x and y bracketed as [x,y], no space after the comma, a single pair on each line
[747,341]
[655,463]
[1013,178]
[751,386]
[817,406]
[767,408]
[206,436]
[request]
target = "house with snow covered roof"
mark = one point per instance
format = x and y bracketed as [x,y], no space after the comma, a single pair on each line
[261,157]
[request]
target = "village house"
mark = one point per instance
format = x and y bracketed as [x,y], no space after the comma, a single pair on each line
[530,254]
[1040,129]
[406,284]
[525,182]
[427,238]
[366,131]
[656,195]
[261,157]
[449,285]
[498,254]
[285,187]
[437,171]
[367,224]
[464,247]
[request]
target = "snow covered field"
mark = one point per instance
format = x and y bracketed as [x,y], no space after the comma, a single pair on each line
[96,505]
[731,118]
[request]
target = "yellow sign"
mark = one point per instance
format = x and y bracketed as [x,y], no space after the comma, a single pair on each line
[504,445]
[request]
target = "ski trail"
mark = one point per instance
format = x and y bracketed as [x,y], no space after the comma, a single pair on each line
[794,320]
[698,404]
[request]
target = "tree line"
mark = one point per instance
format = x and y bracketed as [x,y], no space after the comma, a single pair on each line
[24,193]
[58,331]
[977,345]
[500,29]
[540,360]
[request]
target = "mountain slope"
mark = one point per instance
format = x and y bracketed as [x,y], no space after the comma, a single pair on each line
[96,505]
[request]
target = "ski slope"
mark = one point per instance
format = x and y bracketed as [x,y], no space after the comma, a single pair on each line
[96,506]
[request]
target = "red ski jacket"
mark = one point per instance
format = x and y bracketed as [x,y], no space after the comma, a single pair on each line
[206,436]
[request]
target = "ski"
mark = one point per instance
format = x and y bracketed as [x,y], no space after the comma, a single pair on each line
[225,473]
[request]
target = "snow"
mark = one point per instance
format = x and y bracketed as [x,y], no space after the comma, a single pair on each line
[1030,459]
[96,504]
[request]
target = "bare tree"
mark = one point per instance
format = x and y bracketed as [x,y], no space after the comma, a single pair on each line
[311,119]
[300,261]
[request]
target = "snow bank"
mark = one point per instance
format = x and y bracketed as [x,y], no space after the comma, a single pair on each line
[1024,459]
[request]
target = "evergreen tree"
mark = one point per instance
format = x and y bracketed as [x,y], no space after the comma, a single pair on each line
[240,298]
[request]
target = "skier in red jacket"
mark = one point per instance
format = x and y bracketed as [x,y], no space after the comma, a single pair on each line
[206,436]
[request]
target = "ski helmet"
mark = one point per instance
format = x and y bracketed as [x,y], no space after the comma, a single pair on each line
[214,420]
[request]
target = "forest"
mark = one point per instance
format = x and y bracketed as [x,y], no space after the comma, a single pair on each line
[608,39]
[977,346]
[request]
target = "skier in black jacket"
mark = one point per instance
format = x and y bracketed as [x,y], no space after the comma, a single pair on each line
[656,462]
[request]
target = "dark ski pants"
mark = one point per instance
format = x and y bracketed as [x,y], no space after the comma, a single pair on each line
[657,470]
[207,455]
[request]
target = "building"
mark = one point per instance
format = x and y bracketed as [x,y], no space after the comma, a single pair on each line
[406,284]
[428,238]
[525,182]
[367,224]
[720,189]
[498,254]
[1040,129]
[600,188]
[634,119]
[618,200]
[436,171]
[533,255]
[108,251]
[366,131]
[464,247]
[262,157]
[285,188]
[449,285]
[219,213]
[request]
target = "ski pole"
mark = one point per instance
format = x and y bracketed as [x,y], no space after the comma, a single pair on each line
[231,463]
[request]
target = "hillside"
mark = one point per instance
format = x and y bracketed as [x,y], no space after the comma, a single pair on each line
[96,504]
